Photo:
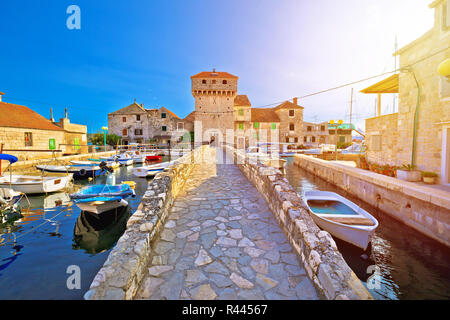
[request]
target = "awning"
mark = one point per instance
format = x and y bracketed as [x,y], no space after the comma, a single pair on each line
[388,85]
[8,157]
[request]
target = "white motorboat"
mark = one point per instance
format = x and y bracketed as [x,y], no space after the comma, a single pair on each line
[341,217]
[150,170]
[109,164]
[123,158]
[35,184]
[101,198]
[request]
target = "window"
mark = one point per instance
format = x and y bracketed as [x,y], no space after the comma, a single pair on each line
[164,128]
[204,81]
[180,126]
[296,139]
[291,113]
[28,139]
[313,139]
[224,81]
[445,88]
[341,139]
[308,128]
[375,142]
[52,144]
[291,127]
[256,125]
[124,132]
[274,126]
[138,132]
[214,82]
[241,126]
[138,117]
[287,139]
[163,115]
[124,119]
[304,139]
[241,112]
[76,143]
[322,128]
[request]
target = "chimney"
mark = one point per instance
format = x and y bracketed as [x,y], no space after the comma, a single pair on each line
[51,115]
[65,113]
[294,100]
[142,105]
[1,94]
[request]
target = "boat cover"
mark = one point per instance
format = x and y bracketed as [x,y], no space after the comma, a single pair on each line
[103,192]
[8,157]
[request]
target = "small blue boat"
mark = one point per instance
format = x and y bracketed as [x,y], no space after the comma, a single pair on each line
[102,197]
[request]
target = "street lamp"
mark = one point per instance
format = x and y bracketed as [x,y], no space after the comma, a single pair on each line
[444,69]
[105,129]
[335,128]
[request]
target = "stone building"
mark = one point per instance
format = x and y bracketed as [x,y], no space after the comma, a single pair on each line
[219,108]
[419,133]
[28,135]
[315,134]
[136,124]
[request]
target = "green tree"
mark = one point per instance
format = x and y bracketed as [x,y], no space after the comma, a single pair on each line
[111,139]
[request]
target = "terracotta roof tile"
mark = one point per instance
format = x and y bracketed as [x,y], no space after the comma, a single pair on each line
[131,109]
[242,100]
[190,117]
[17,116]
[214,74]
[264,115]
[288,105]
[173,114]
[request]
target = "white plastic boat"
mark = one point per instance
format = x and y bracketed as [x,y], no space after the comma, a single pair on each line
[150,170]
[110,164]
[341,217]
[123,159]
[34,184]
[101,198]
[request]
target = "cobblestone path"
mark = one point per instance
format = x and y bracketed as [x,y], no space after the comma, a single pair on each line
[222,242]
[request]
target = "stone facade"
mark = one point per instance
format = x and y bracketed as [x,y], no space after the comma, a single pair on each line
[315,134]
[135,124]
[419,61]
[218,109]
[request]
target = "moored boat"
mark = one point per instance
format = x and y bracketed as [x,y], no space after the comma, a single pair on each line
[341,217]
[150,170]
[79,171]
[109,164]
[102,197]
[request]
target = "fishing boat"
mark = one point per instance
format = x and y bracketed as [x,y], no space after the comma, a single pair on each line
[79,171]
[9,205]
[31,184]
[153,158]
[341,217]
[151,170]
[102,197]
[109,164]
[123,158]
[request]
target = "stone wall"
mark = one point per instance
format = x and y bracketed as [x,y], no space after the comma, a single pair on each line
[121,274]
[316,249]
[423,208]
[381,137]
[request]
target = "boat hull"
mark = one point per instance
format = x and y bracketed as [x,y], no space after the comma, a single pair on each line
[355,234]
[101,206]
[82,172]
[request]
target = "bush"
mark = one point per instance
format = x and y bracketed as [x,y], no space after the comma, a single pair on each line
[408,167]
[111,139]
[429,174]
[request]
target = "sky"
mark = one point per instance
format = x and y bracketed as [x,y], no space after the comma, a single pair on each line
[147,50]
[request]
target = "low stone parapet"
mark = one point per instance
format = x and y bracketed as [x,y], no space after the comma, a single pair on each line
[126,265]
[315,248]
[421,207]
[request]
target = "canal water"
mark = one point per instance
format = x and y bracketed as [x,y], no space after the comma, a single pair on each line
[404,264]
[53,235]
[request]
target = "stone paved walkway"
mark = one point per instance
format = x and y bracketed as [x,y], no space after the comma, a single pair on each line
[222,242]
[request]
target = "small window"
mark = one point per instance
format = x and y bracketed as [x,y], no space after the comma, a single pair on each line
[28,139]
[308,128]
[313,139]
[241,112]
[124,119]
[376,142]
[224,81]
[291,113]
[274,126]
[322,128]
[138,117]
[241,126]
[291,127]
[287,139]
[304,139]
[138,132]
[124,132]
[256,125]
[296,139]
[52,144]
[214,82]
[204,81]
[180,126]
[164,128]
[76,142]
[163,115]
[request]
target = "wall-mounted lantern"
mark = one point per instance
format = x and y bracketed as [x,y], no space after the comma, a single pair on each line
[444,69]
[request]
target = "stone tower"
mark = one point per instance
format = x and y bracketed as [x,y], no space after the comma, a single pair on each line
[214,94]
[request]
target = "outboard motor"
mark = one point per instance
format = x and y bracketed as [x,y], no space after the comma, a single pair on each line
[103,166]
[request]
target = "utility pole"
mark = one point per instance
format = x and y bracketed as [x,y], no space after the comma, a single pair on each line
[395,68]
[351,106]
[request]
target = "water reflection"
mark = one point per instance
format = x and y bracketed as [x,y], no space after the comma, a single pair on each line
[96,233]
[404,264]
